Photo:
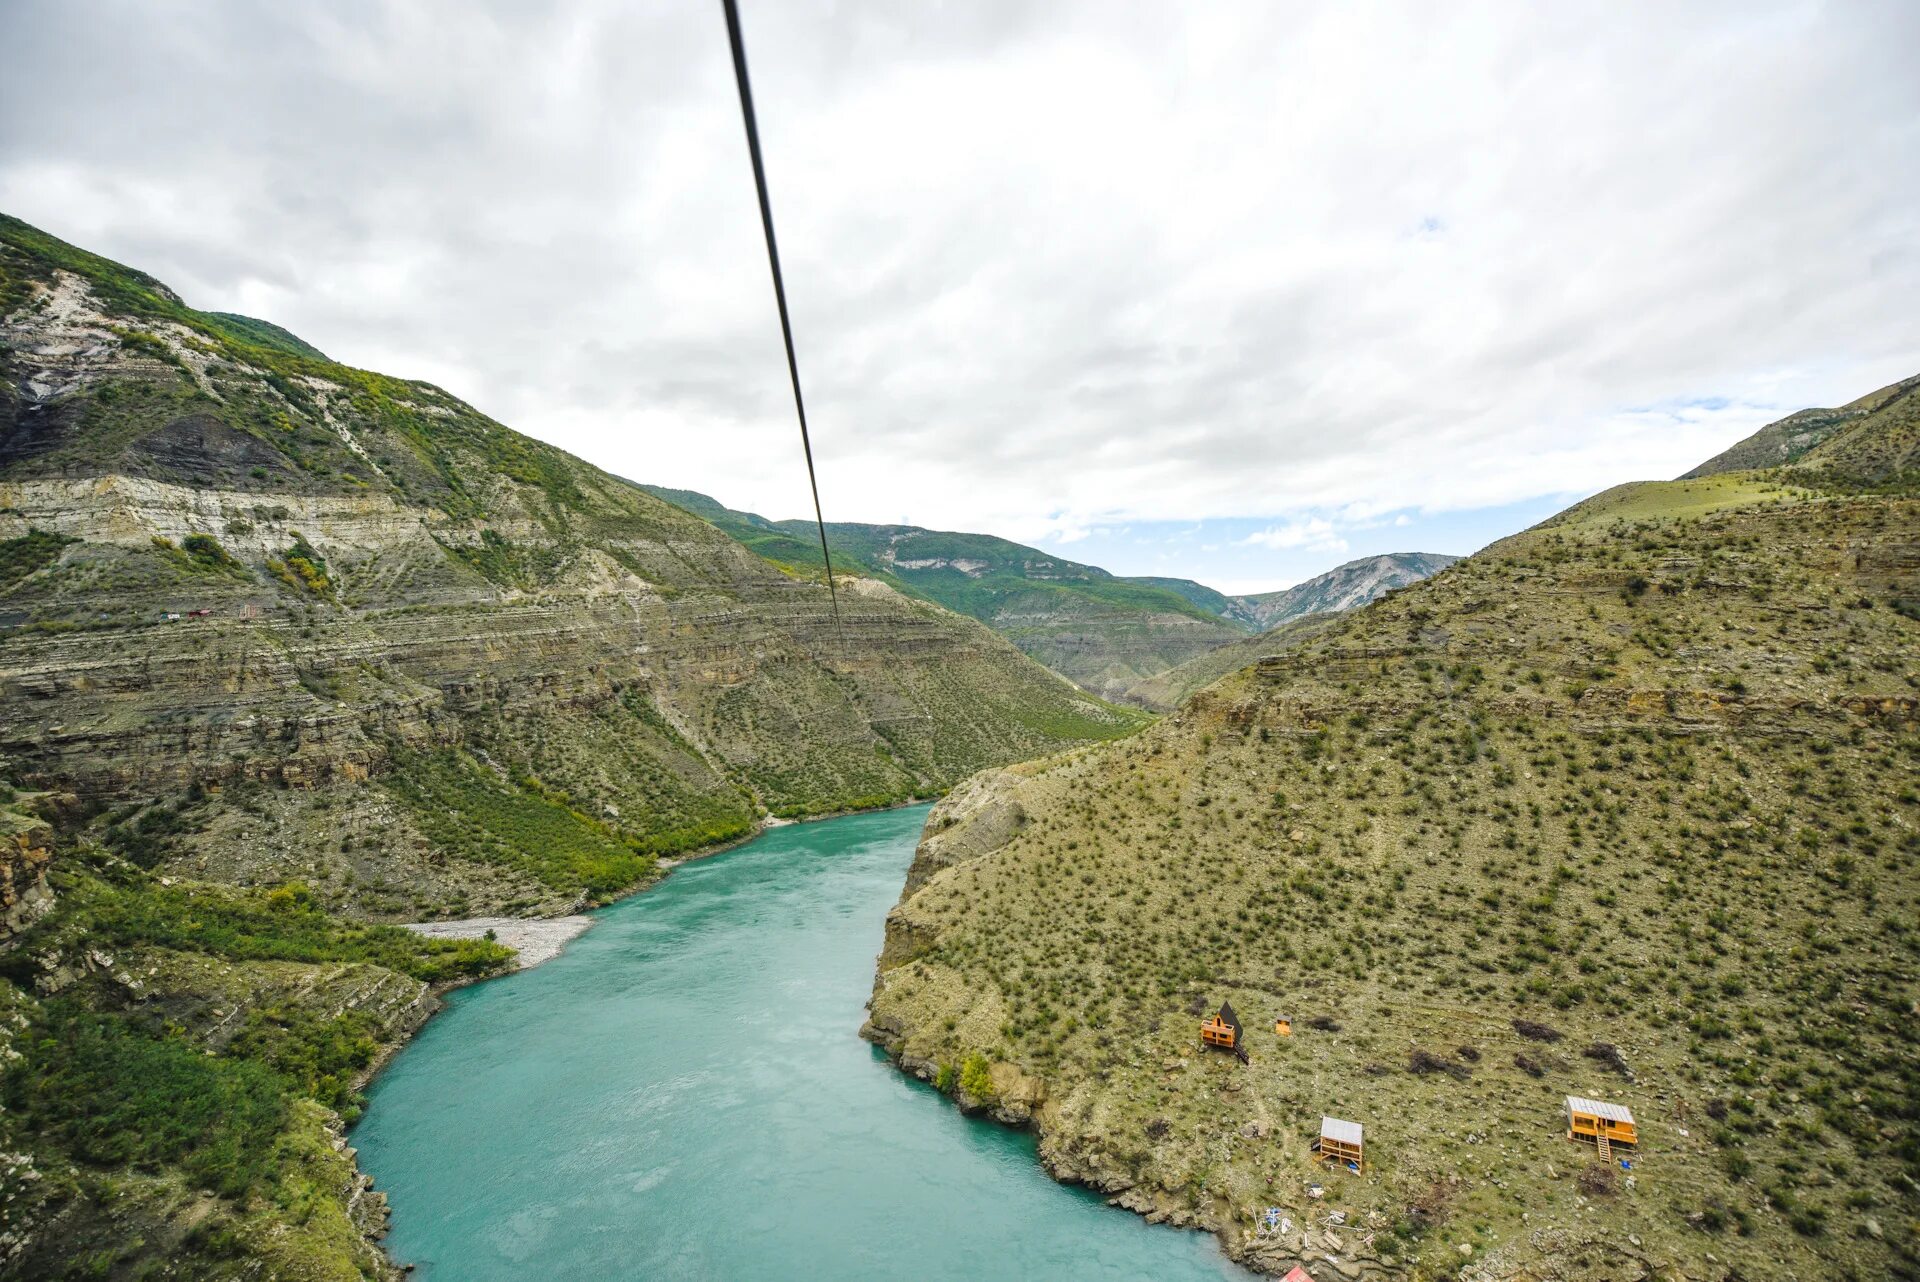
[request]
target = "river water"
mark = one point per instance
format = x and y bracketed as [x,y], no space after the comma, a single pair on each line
[681,1095]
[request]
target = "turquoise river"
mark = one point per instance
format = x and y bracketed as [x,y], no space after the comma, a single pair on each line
[681,1094]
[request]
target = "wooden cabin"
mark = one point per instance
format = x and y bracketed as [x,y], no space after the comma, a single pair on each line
[1222,1029]
[1283,1026]
[1342,1143]
[1599,1123]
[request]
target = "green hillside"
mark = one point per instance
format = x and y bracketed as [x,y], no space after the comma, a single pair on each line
[1621,807]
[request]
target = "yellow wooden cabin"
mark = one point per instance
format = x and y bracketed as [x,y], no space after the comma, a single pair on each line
[1342,1143]
[1222,1028]
[1283,1026]
[1599,1123]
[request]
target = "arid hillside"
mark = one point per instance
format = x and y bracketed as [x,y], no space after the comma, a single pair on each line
[1622,807]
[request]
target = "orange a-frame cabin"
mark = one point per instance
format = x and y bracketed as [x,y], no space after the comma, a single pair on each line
[1600,1123]
[1221,1029]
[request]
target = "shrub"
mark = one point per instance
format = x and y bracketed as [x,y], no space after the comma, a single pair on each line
[1609,1054]
[976,1078]
[1424,1061]
[112,1095]
[205,552]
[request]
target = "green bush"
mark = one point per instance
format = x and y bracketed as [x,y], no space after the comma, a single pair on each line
[470,812]
[113,1095]
[31,552]
[976,1078]
[119,907]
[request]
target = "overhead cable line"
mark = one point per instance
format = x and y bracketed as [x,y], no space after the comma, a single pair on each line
[779,285]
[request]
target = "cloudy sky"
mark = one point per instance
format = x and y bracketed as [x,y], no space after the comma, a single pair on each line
[1228,290]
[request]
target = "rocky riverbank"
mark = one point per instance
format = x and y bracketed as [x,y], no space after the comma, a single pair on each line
[533,939]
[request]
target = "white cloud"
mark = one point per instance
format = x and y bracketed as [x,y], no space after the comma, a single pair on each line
[1313,533]
[1053,266]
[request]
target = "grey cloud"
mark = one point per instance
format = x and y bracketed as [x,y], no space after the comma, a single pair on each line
[1048,261]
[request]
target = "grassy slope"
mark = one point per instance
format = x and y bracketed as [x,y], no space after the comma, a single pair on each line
[1642,776]
[1212,601]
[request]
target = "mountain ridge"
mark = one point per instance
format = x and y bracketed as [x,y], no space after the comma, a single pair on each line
[1080,620]
[1346,586]
[1099,630]
[1788,440]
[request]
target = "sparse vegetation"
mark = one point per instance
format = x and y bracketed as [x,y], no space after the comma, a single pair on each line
[1518,807]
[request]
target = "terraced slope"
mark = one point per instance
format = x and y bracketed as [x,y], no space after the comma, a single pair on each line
[287,648]
[1621,807]
[1099,631]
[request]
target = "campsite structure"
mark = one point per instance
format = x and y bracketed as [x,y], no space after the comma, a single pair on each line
[1343,1143]
[1222,1029]
[1283,1026]
[1596,1122]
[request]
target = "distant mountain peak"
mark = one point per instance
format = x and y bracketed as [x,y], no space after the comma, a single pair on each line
[1344,587]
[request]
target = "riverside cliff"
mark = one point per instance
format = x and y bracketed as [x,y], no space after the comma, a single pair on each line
[1621,807]
[315,649]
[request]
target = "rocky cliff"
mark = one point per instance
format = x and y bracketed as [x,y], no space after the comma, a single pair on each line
[321,600]
[315,648]
[26,842]
[1344,587]
[1620,808]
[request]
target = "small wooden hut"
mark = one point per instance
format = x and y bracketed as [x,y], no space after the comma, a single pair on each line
[1342,1143]
[1283,1026]
[1222,1029]
[1596,1122]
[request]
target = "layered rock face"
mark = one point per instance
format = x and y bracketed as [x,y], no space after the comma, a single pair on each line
[315,650]
[26,846]
[1620,808]
[1099,631]
[224,565]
